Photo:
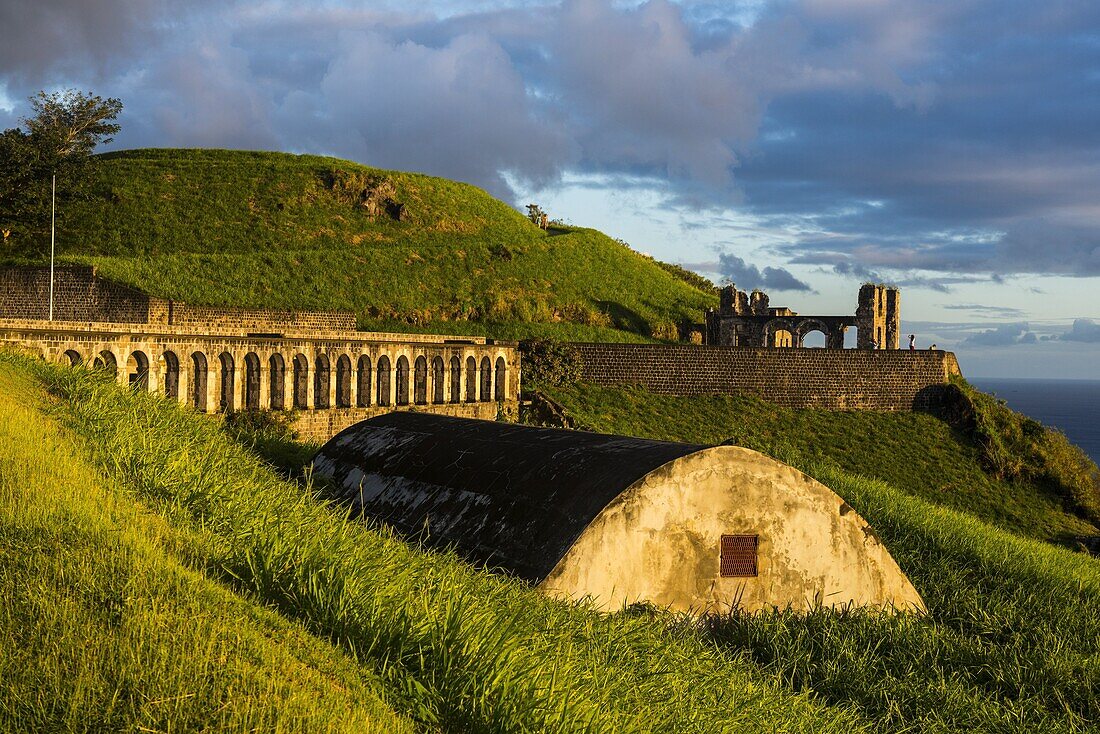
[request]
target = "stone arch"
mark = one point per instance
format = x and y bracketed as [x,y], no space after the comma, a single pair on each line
[72,357]
[779,333]
[343,381]
[276,373]
[383,380]
[486,380]
[301,382]
[137,370]
[227,378]
[499,380]
[106,361]
[437,379]
[471,380]
[170,368]
[402,380]
[420,381]
[362,381]
[808,326]
[251,381]
[322,379]
[456,379]
[200,368]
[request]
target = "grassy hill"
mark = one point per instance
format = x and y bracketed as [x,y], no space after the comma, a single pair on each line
[1011,642]
[273,230]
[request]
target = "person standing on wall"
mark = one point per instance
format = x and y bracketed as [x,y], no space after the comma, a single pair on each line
[912,342]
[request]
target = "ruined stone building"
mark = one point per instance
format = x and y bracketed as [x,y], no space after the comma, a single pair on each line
[748,320]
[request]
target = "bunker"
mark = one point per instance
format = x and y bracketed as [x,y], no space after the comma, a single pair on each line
[612,518]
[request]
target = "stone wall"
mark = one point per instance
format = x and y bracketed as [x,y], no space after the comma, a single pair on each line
[214,319]
[79,295]
[321,425]
[796,378]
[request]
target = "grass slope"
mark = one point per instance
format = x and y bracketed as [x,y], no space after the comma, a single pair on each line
[266,230]
[458,648]
[913,452]
[104,629]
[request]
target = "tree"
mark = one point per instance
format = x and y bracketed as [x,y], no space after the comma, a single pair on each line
[59,139]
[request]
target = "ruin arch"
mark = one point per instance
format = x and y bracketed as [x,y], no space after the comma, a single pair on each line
[420,381]
[72,357]
[322,380]
[200,367]
[227,378]
[486,380]
[383,380]
[437,379]
[779,333]
[251,381]
[471,380]
[276,371]
[170,368]
[807,327]
[500,380]
[343,381]
[362,381]
[402,380]
[137,370]
[456,379]
[301,382]
[106,361]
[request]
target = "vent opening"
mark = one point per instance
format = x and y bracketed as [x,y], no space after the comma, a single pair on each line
[738,555]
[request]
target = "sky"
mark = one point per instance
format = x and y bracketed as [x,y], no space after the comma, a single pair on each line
[801,146]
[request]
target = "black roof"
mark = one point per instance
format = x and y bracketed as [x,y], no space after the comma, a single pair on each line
[501,494]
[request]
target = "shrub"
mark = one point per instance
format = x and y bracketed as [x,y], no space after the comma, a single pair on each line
[547,362]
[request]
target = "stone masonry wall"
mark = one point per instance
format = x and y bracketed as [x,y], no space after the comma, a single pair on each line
[215,319]
[321,425]
[79,295]
[796,378]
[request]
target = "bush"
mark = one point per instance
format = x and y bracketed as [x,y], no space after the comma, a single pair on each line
[547,362]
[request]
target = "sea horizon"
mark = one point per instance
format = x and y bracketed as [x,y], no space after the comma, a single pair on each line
[1071,405]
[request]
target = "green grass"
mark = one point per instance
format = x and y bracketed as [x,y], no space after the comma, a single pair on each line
[263,230]
[103,628]
[914,452]
[459,648]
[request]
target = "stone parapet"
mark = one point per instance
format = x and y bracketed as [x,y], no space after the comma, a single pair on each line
[839,379]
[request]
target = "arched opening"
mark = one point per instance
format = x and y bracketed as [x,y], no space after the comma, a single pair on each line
[362,382]
[137,371]
[486,380]
[814,338]
[105,361]
[402,380]
[343,382]
[782,338]
[171,371]
[276,372]
[301,382]
[321,380]
[778,333]
[251,382]
[437,379]
[420,381]
[456,379]
[851,337]
[471,380]
[199,370]
[228,376]
[383,380]
[499,380]
[72,357]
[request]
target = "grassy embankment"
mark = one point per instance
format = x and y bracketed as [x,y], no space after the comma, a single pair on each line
[268,230]
[1010,643]
[450,646]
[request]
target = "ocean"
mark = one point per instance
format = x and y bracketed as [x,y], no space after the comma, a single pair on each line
[1072,406]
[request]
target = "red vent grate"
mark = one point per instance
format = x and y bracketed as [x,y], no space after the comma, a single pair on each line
[739,555]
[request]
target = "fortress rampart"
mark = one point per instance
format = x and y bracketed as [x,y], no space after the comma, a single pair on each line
[841,379]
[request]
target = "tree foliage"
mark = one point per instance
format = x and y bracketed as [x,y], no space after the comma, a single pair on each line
[58,139]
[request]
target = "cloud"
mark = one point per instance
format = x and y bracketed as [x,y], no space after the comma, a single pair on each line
[1003,335]
[1003,312]
[748,277]
[1083,330]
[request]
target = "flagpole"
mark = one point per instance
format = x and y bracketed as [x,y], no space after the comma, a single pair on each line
[53,226]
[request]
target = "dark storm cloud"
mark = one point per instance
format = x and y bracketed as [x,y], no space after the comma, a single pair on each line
[748,277]
[893,137]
